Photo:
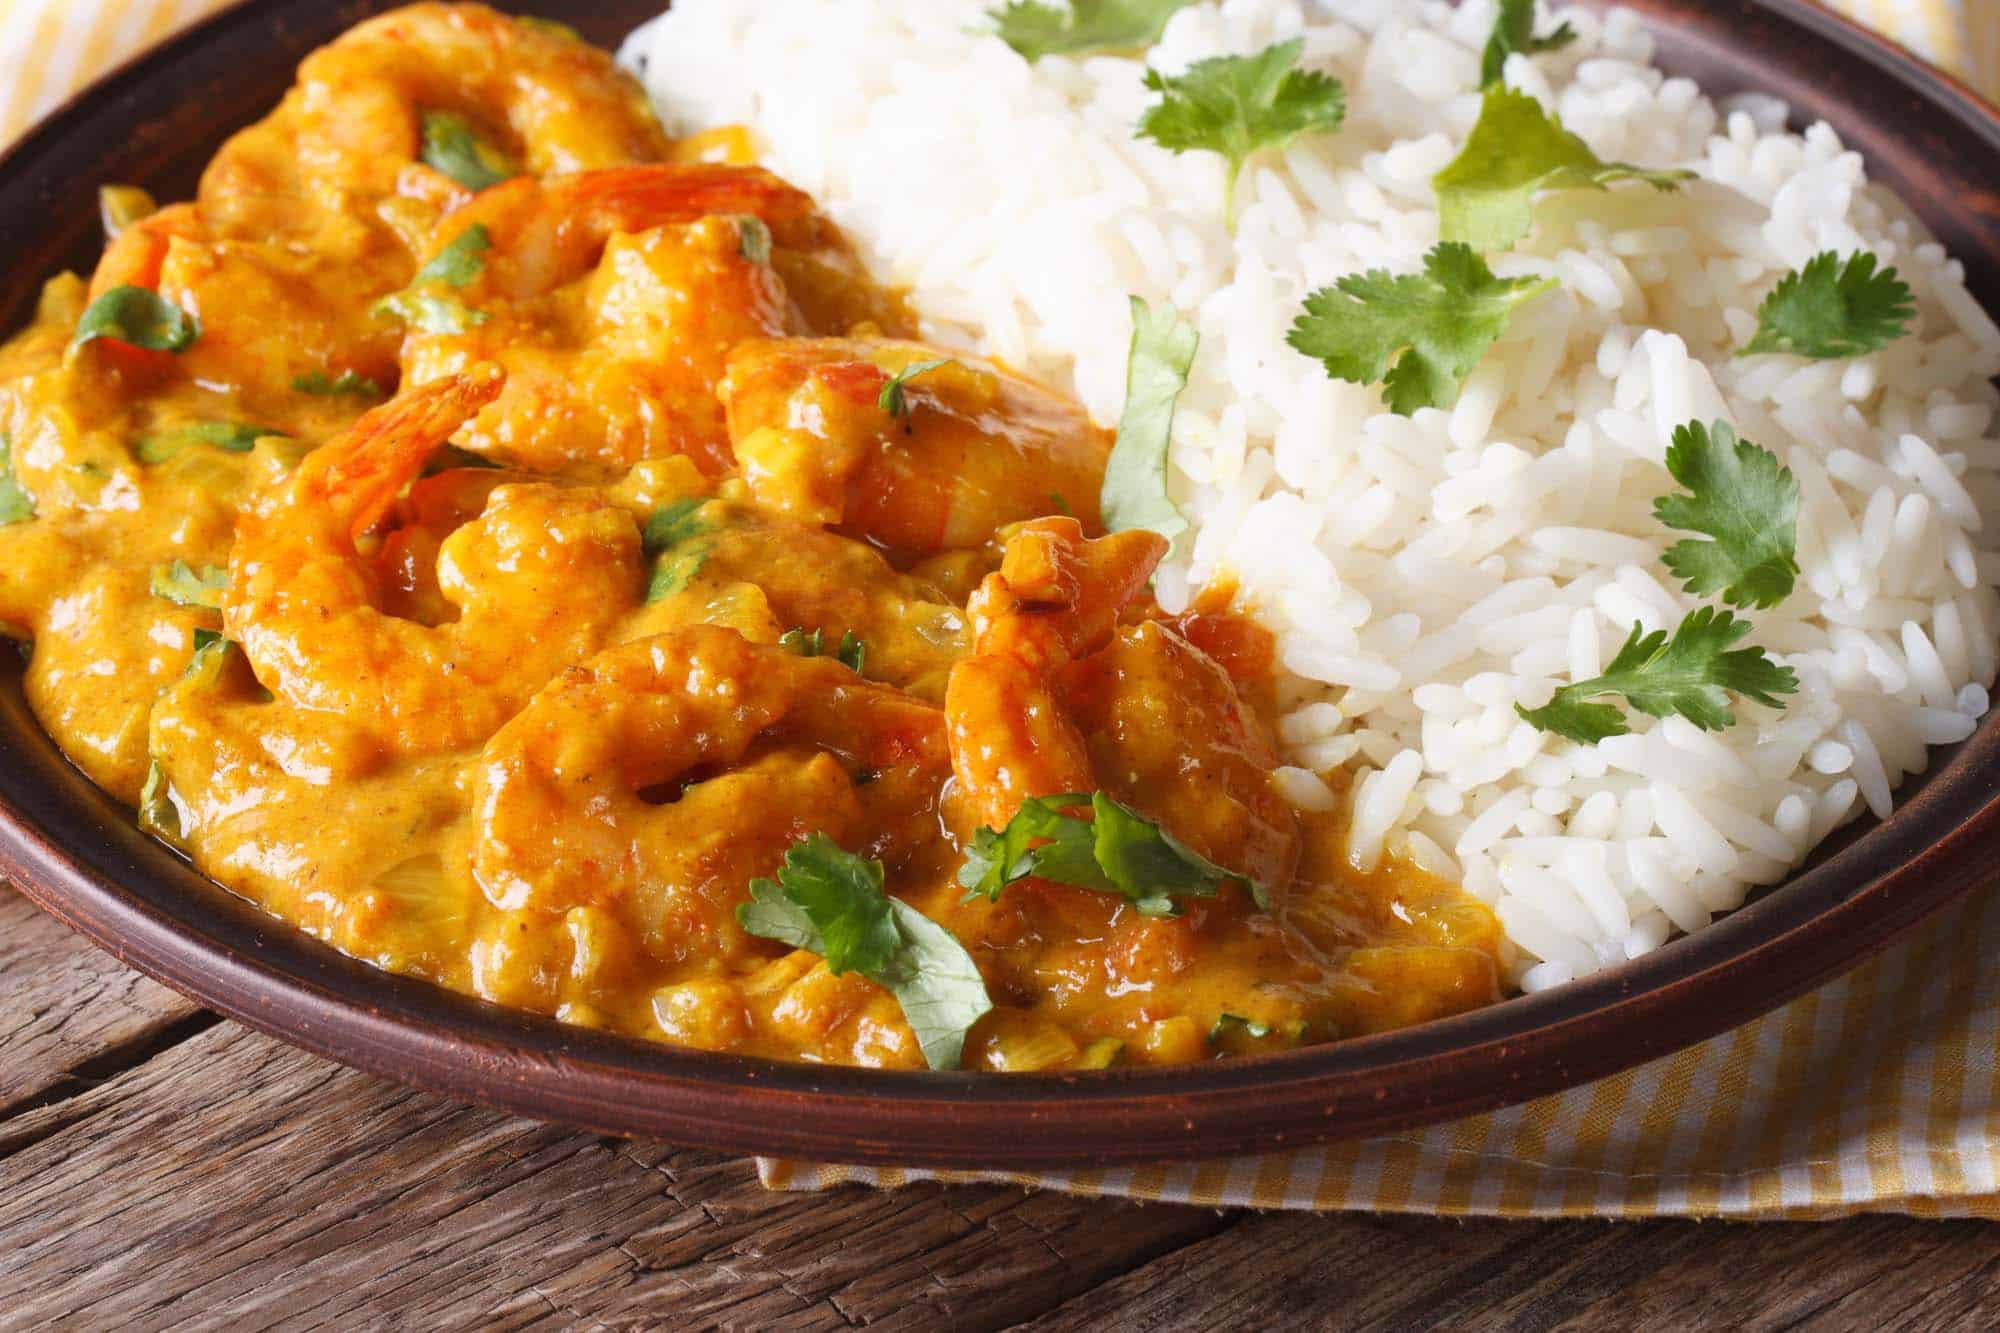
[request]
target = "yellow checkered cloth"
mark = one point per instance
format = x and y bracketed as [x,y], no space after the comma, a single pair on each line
[1878,1092]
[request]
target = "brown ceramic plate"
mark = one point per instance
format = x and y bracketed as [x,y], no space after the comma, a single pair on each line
[77,853]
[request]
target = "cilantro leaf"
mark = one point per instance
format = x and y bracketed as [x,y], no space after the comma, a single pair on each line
[1829,309]
[1226,1022]
[158,815]
[753,239]
[461,260]
[1746,501]
[674,523]
[1134,494]
[453,147]
[140,317]
[427,312]
[347,384]
[1085,27]
[457,264]
[211,654]
[1691,675]
[892,399]
[232,437]
[1116,850]
[1235,106]
[669,534]
[1435,325]
[1486,195]
[796,640]
[831,902]
[1514,30]
[184,585]
[851,652]
[16,505]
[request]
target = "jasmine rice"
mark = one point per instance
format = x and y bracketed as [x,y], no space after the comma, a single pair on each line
[1429,575]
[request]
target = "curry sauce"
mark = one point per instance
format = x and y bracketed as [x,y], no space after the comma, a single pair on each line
[494,538]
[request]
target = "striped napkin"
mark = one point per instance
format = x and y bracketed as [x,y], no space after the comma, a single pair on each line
[1878,1092]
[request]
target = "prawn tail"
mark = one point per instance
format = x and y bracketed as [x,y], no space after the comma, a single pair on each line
[365,470]
[635,198]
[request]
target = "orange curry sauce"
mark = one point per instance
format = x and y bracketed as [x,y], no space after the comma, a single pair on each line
[451,592]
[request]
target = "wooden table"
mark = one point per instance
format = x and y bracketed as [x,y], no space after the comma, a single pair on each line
[160,1167]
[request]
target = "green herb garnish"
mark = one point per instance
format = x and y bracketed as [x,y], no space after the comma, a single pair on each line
[347,384]
[1691,675]
[753,239]
[1743,499]
[851,652]
[184,585]
[831,902]
[1434,325]
[138,316]
[462,259]
[453,147]
[1226,1023]
[1086,27]
[1116,851]
[1514,30]
[1236,106]
[457,264]
[1830,309]
[158,815]
[667,535]
[1486,195]
[16,505]
[1156,371]
[232,437]
[893,399]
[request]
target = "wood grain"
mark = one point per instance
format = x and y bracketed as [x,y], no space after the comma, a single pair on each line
[71,1012]
[1348,1272]
[157,1173]
[235,1176]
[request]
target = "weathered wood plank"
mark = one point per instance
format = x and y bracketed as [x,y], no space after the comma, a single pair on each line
[1346,1272]
[72,1012]
[237,1178]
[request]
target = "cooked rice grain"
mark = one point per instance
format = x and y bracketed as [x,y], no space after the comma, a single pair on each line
[1425,575]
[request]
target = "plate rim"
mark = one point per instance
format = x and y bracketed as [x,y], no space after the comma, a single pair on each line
[1785,941]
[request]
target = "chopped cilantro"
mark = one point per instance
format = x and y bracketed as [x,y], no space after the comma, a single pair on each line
[1743,499]
[184,585]
[16,505]
[831,902]
[1116,850]
[1085,27]
[1830,309]
[232,437]
[346,384]
[1135,494]
[1236,106]
[1514,30]
[1691,674]
[138,316]
[893,399]
[453,147]
[158,814]
[1486,195]
[1433,325]
[668,535]
[753,239]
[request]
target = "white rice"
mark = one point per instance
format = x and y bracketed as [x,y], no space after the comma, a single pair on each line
[1426,574]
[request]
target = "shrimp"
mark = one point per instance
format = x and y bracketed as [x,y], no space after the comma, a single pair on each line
[974,449]
[538,579]
[612,298]
[1059,697]
[561,793]
[270,307]
[511,97]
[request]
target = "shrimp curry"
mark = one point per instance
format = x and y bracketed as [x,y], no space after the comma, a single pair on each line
[529,553]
